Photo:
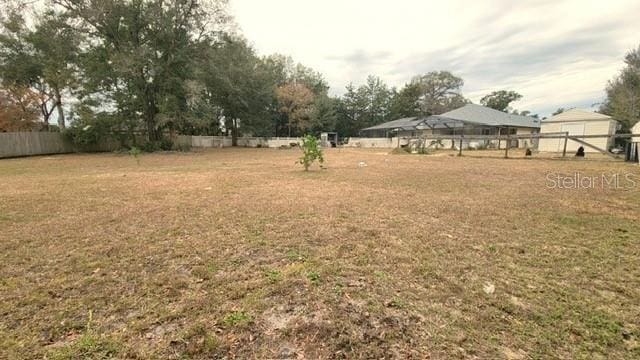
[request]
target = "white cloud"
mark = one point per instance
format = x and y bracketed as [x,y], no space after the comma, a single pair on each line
[556,53]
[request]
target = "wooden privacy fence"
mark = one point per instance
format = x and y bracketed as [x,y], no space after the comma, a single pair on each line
[32,143]
[44,143]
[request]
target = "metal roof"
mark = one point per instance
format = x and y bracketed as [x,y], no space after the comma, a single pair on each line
[409,123]
[413,123]
[577,115]
[482,115]
[441,122]
[469,114]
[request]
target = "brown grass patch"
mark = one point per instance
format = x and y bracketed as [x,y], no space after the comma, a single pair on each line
[239,253]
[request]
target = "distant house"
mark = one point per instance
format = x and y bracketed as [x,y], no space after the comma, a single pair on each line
[578,122]
[470,119]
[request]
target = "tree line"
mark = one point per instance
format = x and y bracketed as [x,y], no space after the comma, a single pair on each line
[157,67]
[125,67]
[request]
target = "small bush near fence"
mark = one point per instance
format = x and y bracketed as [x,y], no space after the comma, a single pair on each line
[86,134]
[152,146]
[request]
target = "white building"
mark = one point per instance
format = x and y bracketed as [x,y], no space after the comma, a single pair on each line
[578,122]
[635,141]
[635,130]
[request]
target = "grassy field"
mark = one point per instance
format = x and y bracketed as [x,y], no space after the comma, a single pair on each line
[238,253]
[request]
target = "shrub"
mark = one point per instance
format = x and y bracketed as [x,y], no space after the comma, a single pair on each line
[163,144]
[166,144]
[150,146]
[89,131]
[310,152]
[182,147]
[135,152]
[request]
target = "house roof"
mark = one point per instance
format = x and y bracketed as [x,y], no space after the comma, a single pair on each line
[577,115]
[413,123]
[469,114]
[409,123]
[482,115]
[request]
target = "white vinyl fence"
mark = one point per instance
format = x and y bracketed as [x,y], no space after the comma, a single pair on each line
[375,142]
[225,141]
[276,142]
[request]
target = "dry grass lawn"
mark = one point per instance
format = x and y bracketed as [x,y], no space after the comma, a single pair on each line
[238,253]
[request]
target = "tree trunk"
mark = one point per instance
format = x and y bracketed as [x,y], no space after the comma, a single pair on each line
[152,132]
[45,116]
[58,99]
[150,109]
[234,132]
[150,121]
[132,135]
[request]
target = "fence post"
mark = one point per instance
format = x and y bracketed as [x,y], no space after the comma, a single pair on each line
[460,147]
[506,147]
[566,138]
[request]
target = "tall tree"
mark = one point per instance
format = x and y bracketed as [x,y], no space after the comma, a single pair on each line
[283,70]
[19,110]
[141,53]
[406,102]
[323,114]
[623,92]
[440,91]
[500,100]
[349,112]
[375,95]
[295,102]
[237,82]
[42,57]
[367,105]
[310,78]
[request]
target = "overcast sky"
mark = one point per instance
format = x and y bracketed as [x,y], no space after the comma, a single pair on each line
[555,53]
